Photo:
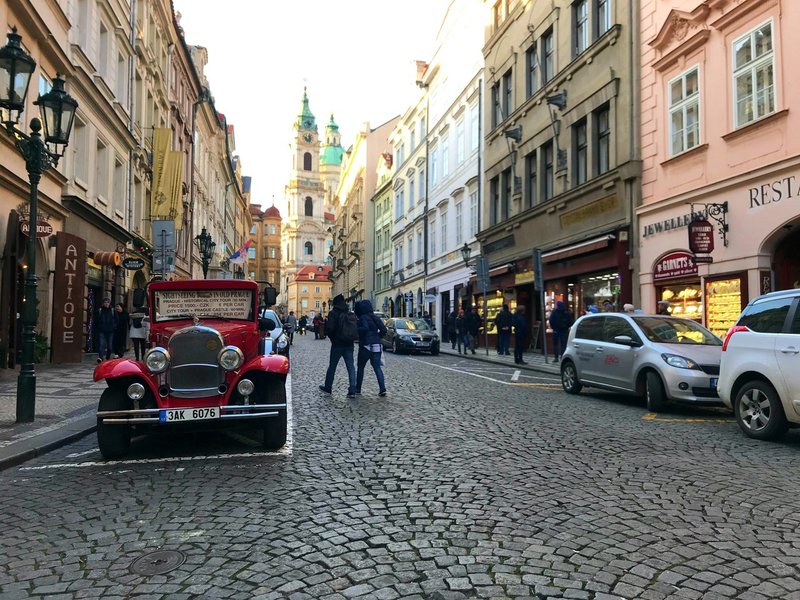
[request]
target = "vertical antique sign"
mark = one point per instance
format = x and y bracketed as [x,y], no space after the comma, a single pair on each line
[68,293]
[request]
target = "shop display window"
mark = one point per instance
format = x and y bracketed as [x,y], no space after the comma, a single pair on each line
[556,291]
[494,302]
[599,293]
[685,299]
[723,299]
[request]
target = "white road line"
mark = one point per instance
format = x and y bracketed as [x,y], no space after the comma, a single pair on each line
[285,451]
[77,454]
[432,364]
[515,376]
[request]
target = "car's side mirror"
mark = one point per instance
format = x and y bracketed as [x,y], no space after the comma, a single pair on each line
[626,340]
[270,296]
[266,324]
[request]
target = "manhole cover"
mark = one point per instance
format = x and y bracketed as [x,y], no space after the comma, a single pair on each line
[158,562]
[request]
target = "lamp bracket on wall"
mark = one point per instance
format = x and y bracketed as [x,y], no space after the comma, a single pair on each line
[718,212]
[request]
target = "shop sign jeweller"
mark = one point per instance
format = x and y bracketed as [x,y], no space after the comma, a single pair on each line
[701,237]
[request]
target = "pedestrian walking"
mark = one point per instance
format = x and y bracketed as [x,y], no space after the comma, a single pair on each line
[462,336]
[628,309]
[520,324]
[290,325]
[316,323]
[121,330]
[503,324]
[561,319]
[427,318]
[342,329]
[106,323]
[302,324]
[663,308]
[474,322]
[139,332]
[370,331]
[451,328]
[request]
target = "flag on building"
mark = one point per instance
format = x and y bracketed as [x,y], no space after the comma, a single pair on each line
[162,142]
[240,256]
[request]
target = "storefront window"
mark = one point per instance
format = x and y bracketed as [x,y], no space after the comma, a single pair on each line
[494,302]
[685,299]
[723,304]
[556,291]
[599,293]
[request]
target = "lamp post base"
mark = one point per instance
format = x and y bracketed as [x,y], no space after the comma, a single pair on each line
[26,394]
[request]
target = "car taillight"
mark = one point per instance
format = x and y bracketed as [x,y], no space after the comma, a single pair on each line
[729,335]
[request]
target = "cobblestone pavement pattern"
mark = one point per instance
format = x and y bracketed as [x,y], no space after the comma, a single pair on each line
[452,487]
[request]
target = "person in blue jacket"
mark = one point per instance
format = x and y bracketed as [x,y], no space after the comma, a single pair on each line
[370,331]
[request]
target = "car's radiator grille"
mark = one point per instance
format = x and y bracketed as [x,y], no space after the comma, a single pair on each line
[194,370]
[710,369]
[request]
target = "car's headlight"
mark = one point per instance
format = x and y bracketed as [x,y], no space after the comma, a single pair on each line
[281,342]
[157,360]
[680,362]
[230,358]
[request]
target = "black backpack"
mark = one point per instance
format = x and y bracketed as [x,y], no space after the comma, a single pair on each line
[348,330]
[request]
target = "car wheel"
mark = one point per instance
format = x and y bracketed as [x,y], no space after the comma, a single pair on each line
[434,350]
[654,395]
[275,428]
[759,411]
[569,378]
[396,347]
[114,441]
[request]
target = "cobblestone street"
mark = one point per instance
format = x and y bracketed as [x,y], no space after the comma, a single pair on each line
[464,482]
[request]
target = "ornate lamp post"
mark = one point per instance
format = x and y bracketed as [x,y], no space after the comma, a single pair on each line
[58,112]
[466,251]
[207,246]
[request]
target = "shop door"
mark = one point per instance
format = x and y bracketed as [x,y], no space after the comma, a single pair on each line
[787,262]
[443,316]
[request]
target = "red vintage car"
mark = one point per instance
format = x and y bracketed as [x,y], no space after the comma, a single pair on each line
[212,362]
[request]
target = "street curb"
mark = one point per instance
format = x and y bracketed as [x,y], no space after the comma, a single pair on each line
[488,359]
[39,445]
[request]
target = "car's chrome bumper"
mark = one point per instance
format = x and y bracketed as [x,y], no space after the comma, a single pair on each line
[230,412]
[699,390]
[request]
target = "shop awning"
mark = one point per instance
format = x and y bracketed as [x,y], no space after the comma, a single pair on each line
[576,249]
[500,270]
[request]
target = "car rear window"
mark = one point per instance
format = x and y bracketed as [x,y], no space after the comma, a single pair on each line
[590,329]
[766,317]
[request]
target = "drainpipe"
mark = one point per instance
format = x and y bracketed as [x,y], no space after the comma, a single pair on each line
[633,143]
[131,106]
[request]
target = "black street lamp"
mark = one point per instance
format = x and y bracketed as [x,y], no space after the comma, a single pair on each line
[466,251]
[57,109]
[207,246]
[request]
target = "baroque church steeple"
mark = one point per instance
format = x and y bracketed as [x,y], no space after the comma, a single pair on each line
[306,120]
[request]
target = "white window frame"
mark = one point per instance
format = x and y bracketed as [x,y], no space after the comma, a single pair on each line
[753,67]
[445,156]
[460,145]
[682,106]
[581,26]
[459,223]
[432,229]
[445,245]
[474,126]
[473,213]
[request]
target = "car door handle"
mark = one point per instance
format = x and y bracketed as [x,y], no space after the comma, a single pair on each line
[598,349]
[790,350]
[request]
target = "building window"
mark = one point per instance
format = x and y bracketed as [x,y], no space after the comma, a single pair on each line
[474,127]
[398,203]
[411,190]
[401,154]
[273,252]
[308,249]
[309,208]
[754,75]
[580,26]
[103,51]
[603,144]
[122,81]
[304,290]
[580,150]
[473,213]
[307,161]
[602,12]
[460,142]
[432,229]
[412,141]
[421,194]
[410,250]
[272,229]
[81,151]
[459,223]
[508,90]
[444,231]
[531,71]
[684,112]
[497,115]
[548,58]
[445,156]
[119,185]
[547,171]
[420,248]
[101,170]
[317,289]
[530,177]
[251,253]
[422,131]
[494,200]
[505,194]
[434,166]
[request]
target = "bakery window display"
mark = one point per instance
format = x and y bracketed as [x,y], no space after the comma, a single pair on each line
[723,298]
[685,300]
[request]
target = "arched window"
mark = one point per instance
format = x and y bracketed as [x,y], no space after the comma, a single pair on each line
[309,207]
[307,161]
[309,249]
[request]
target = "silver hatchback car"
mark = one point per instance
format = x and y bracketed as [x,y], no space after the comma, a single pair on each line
[659,357]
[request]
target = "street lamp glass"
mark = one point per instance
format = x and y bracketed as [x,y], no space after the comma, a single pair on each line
[58,113]
[16,68]
[465,252]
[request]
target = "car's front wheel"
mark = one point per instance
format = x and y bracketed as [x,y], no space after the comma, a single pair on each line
[275,428]
[114,441]
[435,350]
[569,378]
[654,394]
[396,346]
[759,411]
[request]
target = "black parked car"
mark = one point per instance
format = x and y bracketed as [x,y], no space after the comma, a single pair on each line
[405,334]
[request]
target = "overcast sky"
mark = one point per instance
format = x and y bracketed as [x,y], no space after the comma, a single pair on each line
[356,57]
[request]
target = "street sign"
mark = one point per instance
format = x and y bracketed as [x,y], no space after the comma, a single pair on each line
[161,265]
[430,298]
[704,259]
[701,237]
[482,273]
[133,264]
[408,296]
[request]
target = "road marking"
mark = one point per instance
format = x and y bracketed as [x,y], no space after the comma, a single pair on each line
[538,385]
[432,364]
[656,418]
[515,376]
[77,454]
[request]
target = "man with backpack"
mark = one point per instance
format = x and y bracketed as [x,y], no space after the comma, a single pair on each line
[342,329]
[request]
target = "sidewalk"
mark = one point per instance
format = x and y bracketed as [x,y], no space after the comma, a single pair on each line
[66,401]
[535,360]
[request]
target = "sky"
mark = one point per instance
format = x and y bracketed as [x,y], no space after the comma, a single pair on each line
[356,57]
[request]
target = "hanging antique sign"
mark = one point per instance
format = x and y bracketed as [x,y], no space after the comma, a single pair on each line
[132,263]
[43,228]
[701,237]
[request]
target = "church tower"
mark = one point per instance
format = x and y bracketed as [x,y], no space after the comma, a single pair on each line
[305,236]
[330,166]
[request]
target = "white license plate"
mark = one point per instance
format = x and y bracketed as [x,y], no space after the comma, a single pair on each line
[423,344]
[714,381]
[181,415]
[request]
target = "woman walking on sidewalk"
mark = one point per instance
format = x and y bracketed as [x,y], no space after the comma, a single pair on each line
[370,331]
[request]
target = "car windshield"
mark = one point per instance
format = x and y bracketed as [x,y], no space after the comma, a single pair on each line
[413,324]
[676,331]
[208,304]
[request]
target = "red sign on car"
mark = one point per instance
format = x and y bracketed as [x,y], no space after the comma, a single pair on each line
[701,237]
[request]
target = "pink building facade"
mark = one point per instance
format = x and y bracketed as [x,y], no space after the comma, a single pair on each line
[719,104]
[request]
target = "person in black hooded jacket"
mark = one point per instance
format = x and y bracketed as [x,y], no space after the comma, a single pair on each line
[370,331]
[340,348]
